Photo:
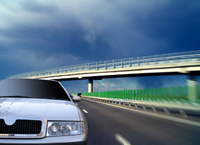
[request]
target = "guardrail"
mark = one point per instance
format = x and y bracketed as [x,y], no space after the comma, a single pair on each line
[187,109]
[180,57]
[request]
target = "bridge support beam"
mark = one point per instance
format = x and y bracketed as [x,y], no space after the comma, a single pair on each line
[192,87]
[90,86]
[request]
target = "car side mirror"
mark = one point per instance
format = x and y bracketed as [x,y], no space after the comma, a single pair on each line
[76,98]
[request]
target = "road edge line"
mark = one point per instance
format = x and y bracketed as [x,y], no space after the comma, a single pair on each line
[194,123]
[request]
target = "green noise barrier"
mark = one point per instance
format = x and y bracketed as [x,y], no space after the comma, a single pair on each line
[179,93]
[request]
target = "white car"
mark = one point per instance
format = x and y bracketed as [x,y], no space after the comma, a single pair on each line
[34,111]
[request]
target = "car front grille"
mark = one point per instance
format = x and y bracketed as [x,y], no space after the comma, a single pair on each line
[21,127]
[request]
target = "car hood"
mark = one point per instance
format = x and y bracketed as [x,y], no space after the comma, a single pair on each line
[39,108]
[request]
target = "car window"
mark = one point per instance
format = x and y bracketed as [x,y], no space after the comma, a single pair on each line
[32,88]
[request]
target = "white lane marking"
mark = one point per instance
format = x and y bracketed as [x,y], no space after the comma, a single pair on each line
[171,118]
[85,111]
[122,140]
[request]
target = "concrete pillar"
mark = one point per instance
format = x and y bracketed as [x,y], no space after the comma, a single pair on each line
[192,90]
[90,86]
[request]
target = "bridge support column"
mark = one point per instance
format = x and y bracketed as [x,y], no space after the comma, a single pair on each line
[192,89]
[90,86]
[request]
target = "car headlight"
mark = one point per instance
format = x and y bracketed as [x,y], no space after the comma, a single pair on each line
[65,128]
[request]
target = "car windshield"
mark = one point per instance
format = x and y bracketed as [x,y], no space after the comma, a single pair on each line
[30,88]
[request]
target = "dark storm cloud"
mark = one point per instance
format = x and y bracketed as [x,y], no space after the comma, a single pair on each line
[176,23]
[112,29]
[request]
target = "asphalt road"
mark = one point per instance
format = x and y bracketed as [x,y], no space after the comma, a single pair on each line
[109,125]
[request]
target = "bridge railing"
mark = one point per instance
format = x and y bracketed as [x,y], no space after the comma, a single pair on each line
[171,58]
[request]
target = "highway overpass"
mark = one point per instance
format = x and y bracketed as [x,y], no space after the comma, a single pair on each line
[182,63]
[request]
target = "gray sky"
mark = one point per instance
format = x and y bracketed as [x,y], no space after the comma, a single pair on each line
[36,35]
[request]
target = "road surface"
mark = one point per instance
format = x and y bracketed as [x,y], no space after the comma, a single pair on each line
[110,125]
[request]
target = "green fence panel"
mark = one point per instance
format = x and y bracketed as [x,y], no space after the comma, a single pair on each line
[179,93]
[160,93]
[152,95]
[126,94]
[172,94]
[147,94]
[120,94]
[134,98]
[165,93]
[185,93]
[144,95]
[131,95]
[123,94]
[175,92]
[140,94]
[156,94]
[137,94]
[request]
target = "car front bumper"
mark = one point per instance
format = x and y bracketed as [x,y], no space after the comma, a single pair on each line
[57,140]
